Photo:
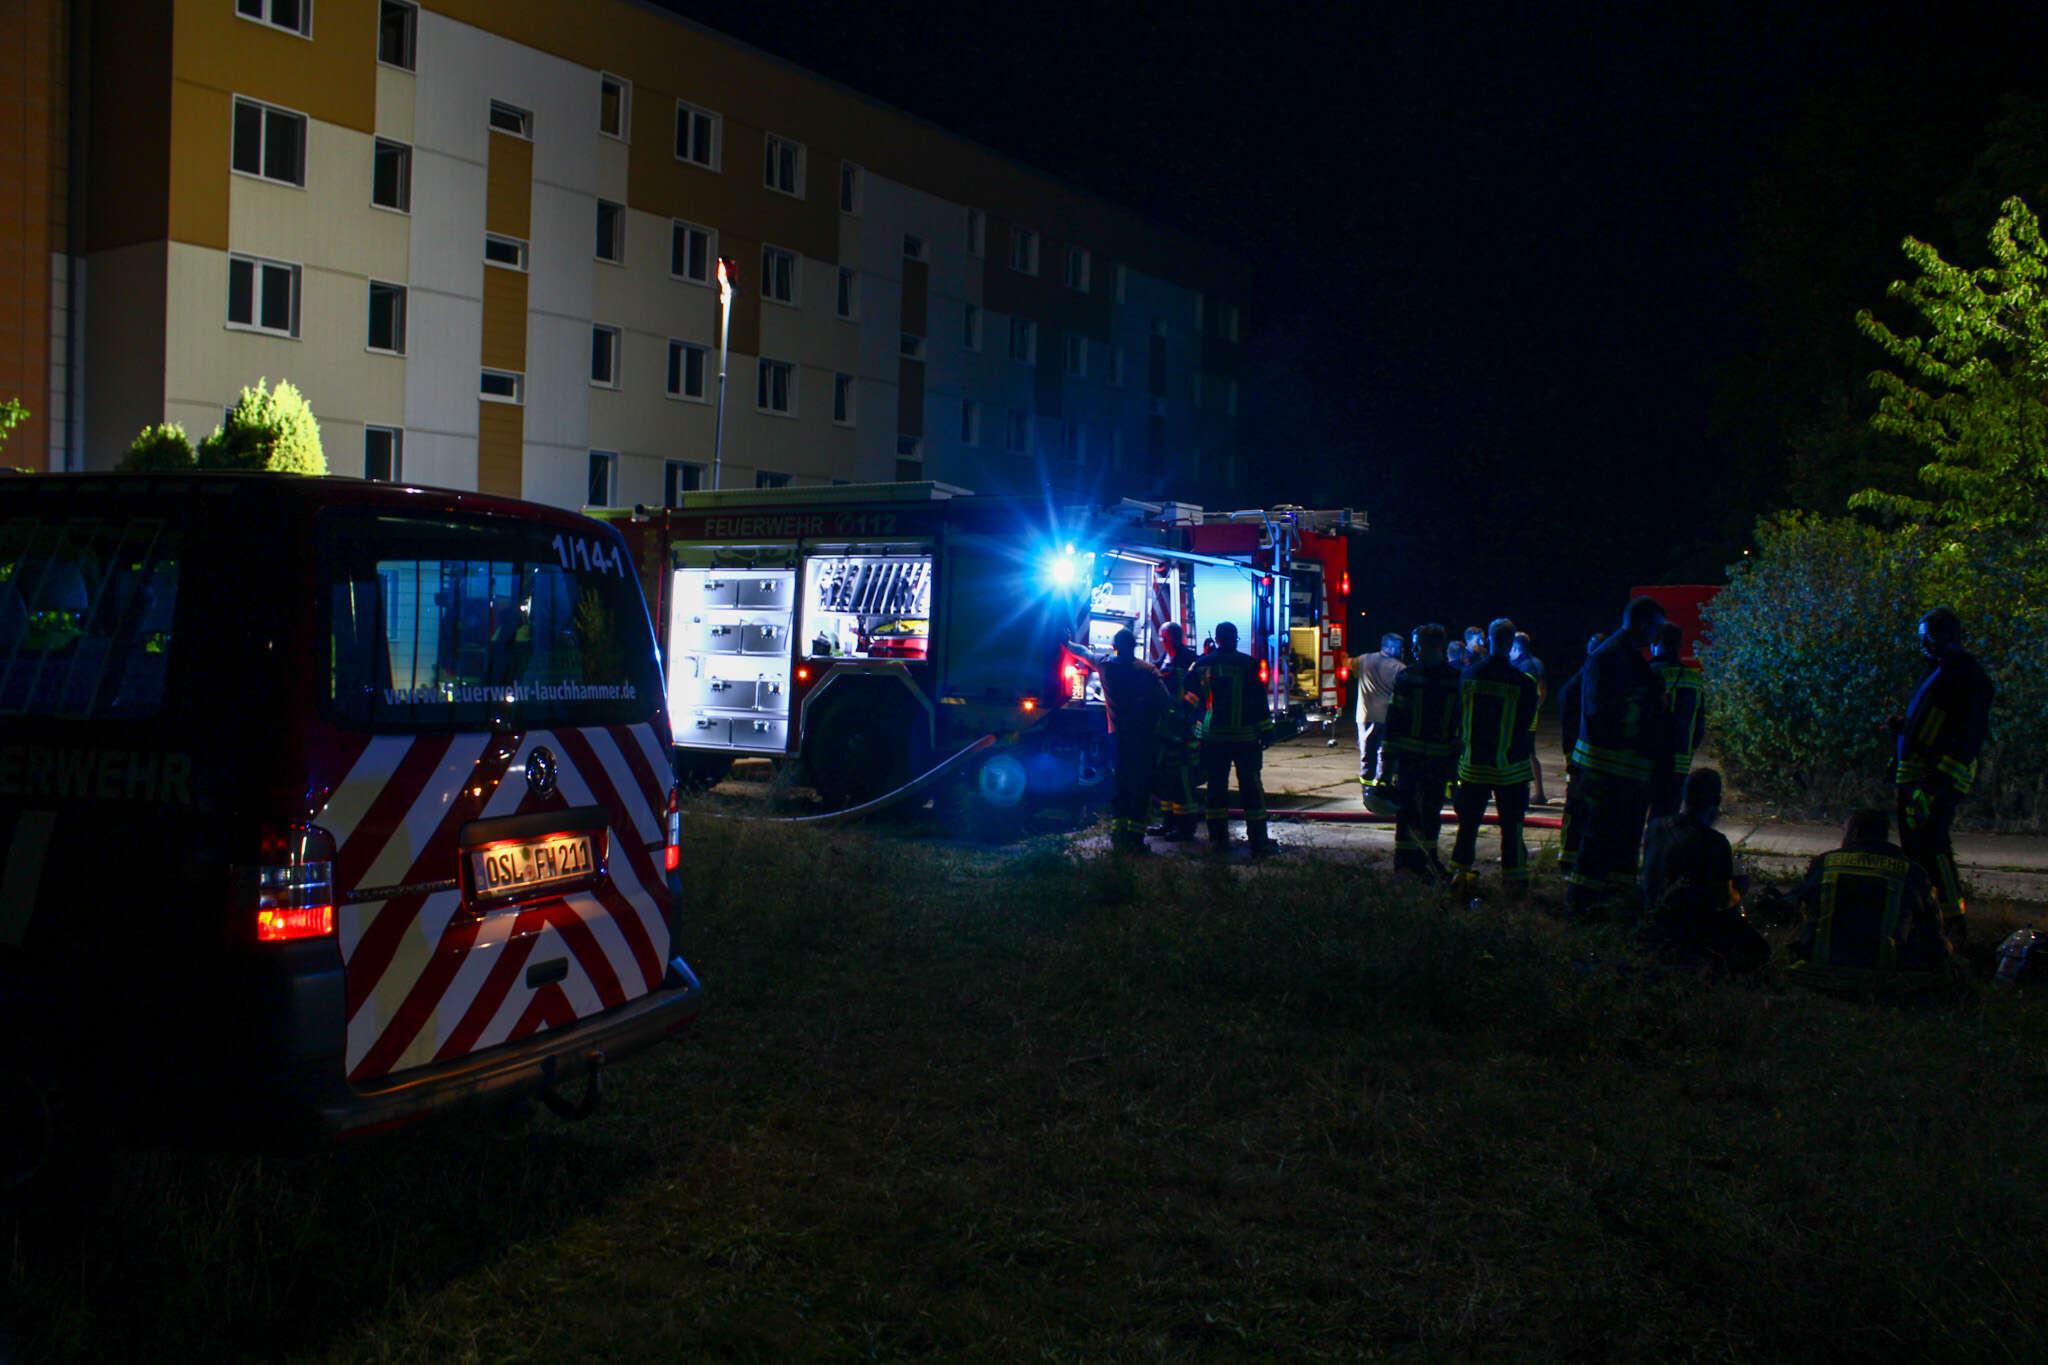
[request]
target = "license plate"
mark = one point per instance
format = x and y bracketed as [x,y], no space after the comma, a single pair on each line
[516,869]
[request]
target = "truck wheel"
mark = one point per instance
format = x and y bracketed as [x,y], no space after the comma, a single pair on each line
[990,805]
[697,770]
[856,753]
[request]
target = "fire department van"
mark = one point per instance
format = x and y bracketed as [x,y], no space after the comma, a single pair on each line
[323,805]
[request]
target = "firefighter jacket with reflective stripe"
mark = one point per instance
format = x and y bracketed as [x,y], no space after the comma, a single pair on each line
[1569,700]
[1498,707]
[1685,710]
[1175,671]
[1945,725]
[1134,694]
[1423,718]
[1620,702]
[1871,912]
[1232,701]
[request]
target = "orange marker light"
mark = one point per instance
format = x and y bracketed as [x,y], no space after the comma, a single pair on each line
[1031,703]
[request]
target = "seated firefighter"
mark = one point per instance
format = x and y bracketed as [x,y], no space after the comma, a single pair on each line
[1691,895]
[1873,919]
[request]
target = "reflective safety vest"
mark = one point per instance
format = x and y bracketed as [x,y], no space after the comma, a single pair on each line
[1871,912]
[1685,710]
[1498,711]
[1232,700]
[1424,717]
[1620,705]
[1946,721]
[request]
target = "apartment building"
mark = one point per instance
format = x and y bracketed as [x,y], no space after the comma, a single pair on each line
[483,237]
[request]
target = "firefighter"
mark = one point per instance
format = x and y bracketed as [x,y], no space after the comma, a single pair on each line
[1619,741]
[1475,646]
[1497,705]
[1685,718]
[1375,673]
[1938,741]
[1173,780]
[1570,707]
[1690,890]
[1135,699]
[1424,726]
[1234,726]
[1524,658]
[1872,919]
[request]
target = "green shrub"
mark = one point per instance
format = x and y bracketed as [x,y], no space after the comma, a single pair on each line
[163,447]
[270,429]
[1813,646]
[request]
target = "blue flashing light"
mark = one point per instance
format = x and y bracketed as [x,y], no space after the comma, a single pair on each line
[1068,569]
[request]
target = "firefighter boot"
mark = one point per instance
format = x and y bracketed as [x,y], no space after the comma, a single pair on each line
[1255,835]
[1219,836]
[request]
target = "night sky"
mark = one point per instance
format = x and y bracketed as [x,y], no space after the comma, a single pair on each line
[1543,285]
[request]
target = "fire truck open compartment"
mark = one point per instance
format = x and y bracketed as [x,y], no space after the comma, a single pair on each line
[862,602]
[728,650]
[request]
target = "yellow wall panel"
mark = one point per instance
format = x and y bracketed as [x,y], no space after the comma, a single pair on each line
[500,438]
[504,324]
[331,76]
[508,193]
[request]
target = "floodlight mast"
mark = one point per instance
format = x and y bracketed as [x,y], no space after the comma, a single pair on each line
[726,270]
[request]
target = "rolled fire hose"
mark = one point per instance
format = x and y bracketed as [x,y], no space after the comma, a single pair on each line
[1366,817]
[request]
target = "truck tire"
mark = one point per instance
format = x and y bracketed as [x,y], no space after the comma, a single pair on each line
[864,745]
[990,805]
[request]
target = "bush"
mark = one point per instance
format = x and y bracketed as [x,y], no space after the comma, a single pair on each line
[270,429]
[160,448]
[1813,645]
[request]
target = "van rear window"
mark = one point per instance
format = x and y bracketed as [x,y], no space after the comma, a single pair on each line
[87,606]
[442,624]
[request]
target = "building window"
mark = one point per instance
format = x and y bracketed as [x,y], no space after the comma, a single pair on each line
[769,478]
[782,166]
[913,247]
[977,233]
[842,399]
[604,356]
[1230,397]
[970,422]
[849,187]
[263,296]
[510,118]
[1116,366]
[775,387]
[387,317]
[1076,355]
[1024,341]
[690,252]
[293,16]
[1024,250]
[506,252]
[848,306]
[680,478]
[697,135]
[1073,443]
[1017,434]
[686,370]
[391,176]
[1118,274]
[970,330]
[604,473]
[383,454]
[611,231]
[270,143]
[1078,264]
[398,33]
[910,346]
[502,386]
[614,105]
[778,275]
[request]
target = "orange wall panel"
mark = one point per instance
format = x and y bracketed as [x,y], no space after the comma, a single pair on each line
[500,451]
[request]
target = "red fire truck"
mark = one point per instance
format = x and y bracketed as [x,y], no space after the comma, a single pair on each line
[874,630]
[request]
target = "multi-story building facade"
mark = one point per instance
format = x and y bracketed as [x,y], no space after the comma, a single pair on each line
[483,236]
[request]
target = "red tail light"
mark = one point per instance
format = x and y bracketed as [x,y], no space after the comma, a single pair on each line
[1344,583]
[291,891]
[1265,673]
[1344,672]
[1074,671]
[672,852]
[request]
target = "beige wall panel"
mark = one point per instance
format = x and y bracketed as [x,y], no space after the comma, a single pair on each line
[640,417]
[614,170]
[208,363]
[504,345]
[124,348]
[395,91]
[331,76]
[508,194]
[501,429]
[331,222]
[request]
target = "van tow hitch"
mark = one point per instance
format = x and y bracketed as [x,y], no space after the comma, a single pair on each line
[593,1092]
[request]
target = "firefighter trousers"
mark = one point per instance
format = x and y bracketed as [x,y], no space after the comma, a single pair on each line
[1173,782]
[1136,750]
[1419,821]
[1603,837]
[1218,757]
[1926,811]
[1512,801]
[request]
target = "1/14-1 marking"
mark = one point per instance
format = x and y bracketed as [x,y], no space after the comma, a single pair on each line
[577,552]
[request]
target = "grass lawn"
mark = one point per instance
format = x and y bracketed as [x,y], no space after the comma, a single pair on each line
[968,1105]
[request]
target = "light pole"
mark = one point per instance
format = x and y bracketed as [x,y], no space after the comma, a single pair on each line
[726,270]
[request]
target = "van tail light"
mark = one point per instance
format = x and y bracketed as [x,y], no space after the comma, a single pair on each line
[289,892]
[1265,673]
[1074,671]
[672,848]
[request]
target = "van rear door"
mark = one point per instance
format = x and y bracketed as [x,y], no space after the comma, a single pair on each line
[498,823]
